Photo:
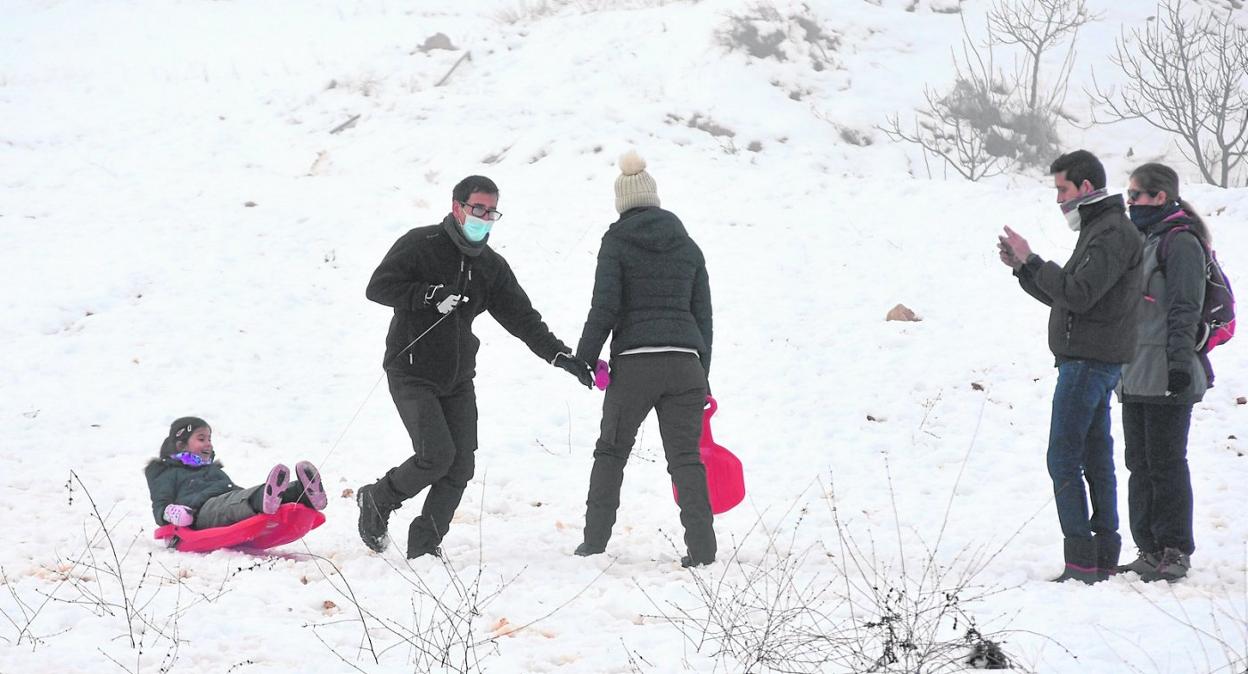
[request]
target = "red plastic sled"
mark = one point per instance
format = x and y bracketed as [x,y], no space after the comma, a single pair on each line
[289,523]
[725,478]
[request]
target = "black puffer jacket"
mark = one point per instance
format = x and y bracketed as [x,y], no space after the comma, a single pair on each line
[650,288]
[171,481]
[447,355]
[1096,295]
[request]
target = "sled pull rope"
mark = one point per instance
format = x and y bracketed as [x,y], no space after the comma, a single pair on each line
[321,465]
[461,283]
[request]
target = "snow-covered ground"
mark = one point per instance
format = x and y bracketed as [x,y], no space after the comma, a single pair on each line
[180,233]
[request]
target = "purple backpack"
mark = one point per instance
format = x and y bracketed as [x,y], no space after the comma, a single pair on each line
[1217,314]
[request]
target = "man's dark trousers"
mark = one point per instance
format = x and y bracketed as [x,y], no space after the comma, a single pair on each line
[674,385]
[443,429]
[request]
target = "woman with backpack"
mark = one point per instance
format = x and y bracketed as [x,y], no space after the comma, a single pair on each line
[1168,375]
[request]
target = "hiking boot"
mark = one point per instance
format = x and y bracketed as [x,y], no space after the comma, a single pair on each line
[1145,563]
[274,485]
[585,550]
[374,518]
[313,490]
[1172,566]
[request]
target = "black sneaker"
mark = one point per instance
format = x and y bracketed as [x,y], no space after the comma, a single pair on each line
[374,519]
[1173,566]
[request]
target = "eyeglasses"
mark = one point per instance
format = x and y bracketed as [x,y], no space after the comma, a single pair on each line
[1134,195]
[479,211]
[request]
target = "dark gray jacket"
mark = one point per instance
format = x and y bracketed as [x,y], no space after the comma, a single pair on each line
[1168,319]
[169,481]
[650,288]
[1095,296]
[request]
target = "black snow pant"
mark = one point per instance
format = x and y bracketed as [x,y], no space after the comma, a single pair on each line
[674,385]
[443,429]
[1159,491]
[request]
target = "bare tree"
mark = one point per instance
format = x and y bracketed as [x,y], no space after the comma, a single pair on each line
[1185,75]
[1037,26]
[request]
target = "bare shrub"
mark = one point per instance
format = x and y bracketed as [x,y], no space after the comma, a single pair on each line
[962,126]
[1224,644]
[988,121]
[1188,76]
[789,35]
[862,614]
[442,630]
[103,579]
[854,136]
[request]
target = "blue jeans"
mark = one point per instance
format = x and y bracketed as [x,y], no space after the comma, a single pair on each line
[1081,447]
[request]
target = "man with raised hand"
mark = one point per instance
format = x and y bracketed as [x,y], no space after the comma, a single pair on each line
[1092,331]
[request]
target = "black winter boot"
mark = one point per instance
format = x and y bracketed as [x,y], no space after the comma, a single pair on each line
[1080,554]
[585,550]
[1108,548]
[689,561]
[423,538]
[376,502]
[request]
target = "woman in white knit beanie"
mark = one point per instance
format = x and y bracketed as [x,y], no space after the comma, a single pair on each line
[652,296]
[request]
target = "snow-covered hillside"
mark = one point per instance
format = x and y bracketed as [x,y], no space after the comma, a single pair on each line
[181,233]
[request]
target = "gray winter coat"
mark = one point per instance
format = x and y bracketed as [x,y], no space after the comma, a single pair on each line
[1168,320]
[1095,296]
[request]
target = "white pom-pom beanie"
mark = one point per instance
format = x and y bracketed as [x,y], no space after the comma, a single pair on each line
[634,187]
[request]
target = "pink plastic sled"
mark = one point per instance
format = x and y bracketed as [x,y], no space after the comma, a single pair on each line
[725,478]
[289,523]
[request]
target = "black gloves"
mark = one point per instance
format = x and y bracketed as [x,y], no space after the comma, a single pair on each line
[1178,382]
[577,367]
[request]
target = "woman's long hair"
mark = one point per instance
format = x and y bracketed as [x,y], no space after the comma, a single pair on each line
[1154,177]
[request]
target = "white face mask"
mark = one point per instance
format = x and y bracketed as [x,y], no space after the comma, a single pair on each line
[1070,209]
[1073,220]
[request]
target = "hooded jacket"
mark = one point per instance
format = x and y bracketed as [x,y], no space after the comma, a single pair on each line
[171,481]
[1168,318]
[650,288]
[446,355]
[1095,296]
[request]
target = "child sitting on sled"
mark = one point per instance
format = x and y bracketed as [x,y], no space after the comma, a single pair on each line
[189,488]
